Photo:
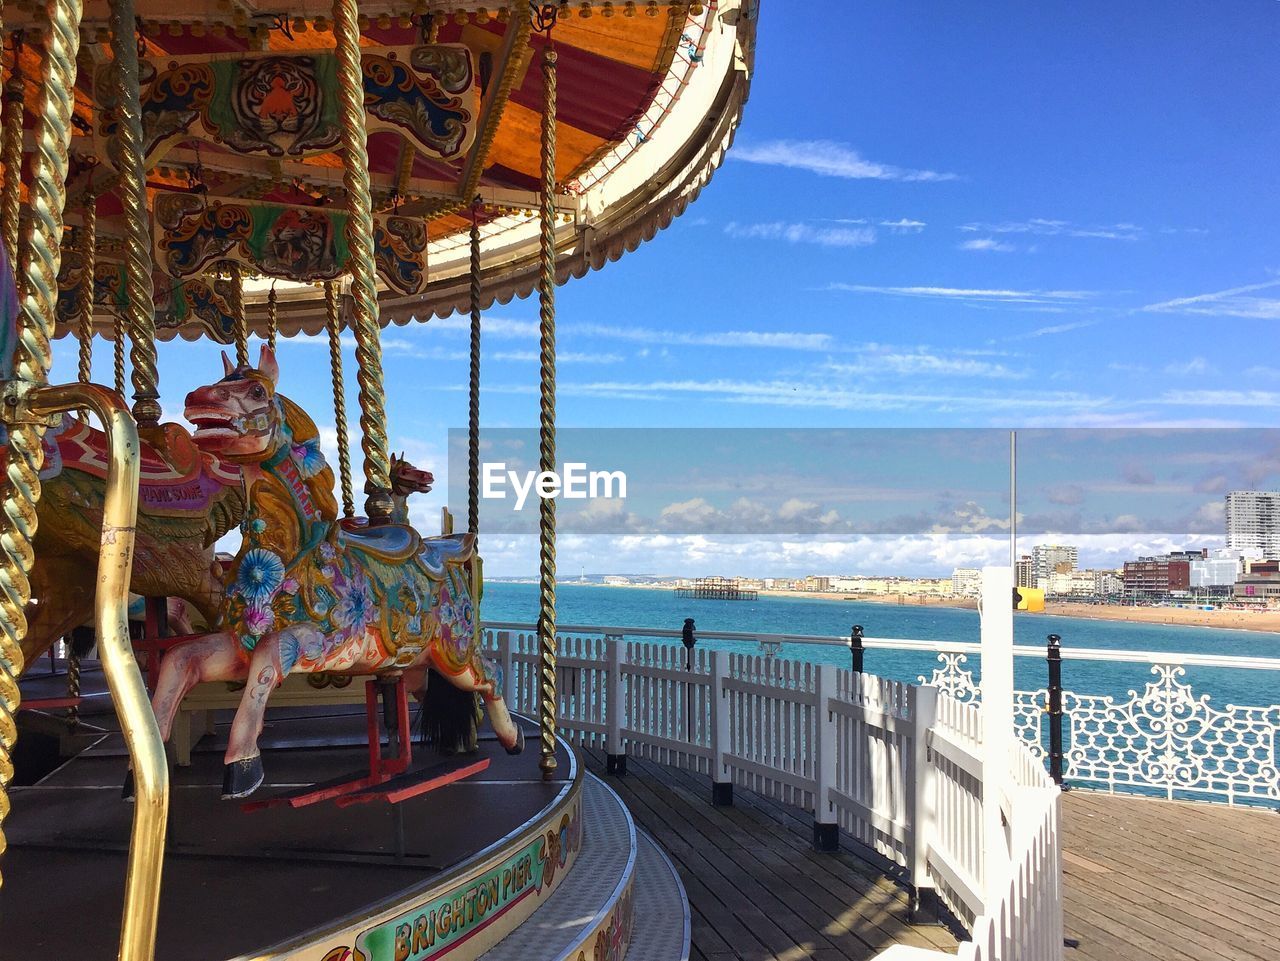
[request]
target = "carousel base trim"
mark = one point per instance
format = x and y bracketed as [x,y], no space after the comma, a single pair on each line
[469,908]
[592,913]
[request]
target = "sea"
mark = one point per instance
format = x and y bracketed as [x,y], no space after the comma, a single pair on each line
[586,604]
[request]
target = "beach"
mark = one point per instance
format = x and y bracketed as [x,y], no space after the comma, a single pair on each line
[1265,620]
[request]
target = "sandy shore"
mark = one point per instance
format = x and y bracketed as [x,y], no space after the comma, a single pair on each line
[1231,620]
[1266,621]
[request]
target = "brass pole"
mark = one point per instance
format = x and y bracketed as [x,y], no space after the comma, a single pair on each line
[364,290]
[88,255]
[84,336]
[132,189]
[241,328]
[333,324]
[547,420]
[273,317]
[11,198]
[128,692]
[41,258]
[117,351]
[473,408]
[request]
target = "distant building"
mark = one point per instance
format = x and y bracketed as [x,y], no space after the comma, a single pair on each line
[966,581]
[1158,578]
[1050,559]
[1253,523]
[613,580]
[815,583]
[1025,572]
[1216,572]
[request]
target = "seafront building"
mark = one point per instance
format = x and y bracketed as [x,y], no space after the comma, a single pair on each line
[1253,523]
[1050,559]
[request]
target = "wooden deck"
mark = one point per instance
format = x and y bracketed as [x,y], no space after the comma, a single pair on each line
[1146,880]
[757,890]
[1150,879]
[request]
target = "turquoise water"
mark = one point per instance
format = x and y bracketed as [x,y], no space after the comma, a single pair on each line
[621,607]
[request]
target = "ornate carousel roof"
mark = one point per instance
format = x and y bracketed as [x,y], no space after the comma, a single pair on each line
[244,160]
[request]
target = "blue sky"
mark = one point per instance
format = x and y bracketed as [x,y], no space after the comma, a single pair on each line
[935,215]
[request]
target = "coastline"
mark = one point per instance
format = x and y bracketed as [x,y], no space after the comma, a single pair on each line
[1261,621]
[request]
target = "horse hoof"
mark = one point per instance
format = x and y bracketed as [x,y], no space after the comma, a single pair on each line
[241,778]
[126,789]
[518,745]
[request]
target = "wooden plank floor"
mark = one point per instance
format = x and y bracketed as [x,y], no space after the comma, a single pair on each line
[757,890]
[1146,880]
[1151,879]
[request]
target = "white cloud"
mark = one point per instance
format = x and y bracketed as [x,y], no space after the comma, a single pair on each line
[977,294]
[829,159]
[912,363]
[1057,329]
[1041,227]
[1222,398]
[562,357]
[903,225]
[772,339]
[988,244]
[1224,303]
[1196,366]
[801,233]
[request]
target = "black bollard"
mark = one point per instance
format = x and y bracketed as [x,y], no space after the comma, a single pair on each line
[1055,708]
[855,648]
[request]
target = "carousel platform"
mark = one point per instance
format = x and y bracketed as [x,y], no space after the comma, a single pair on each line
[500,865]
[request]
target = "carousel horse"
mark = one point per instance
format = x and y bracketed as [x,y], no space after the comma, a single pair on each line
[188,499]
[308,594]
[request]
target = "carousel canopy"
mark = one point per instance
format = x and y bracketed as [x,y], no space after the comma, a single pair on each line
[244,160]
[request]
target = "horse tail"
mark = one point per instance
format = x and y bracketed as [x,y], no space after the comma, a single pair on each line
[449,715]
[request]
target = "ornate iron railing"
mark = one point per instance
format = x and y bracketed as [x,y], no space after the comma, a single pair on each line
[1165,739]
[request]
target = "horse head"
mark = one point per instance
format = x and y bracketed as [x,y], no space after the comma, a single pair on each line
[239,417]
[407,479]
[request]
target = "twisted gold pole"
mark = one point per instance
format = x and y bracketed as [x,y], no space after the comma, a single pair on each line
[333,324]
[132,190]
[364,289]
[547,421]
[241,325]
[117,350]
[473,408]
[11,198]
[88,256]
[273,317]
[42,256]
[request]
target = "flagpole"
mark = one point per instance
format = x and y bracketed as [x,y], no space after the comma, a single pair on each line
[1013,503]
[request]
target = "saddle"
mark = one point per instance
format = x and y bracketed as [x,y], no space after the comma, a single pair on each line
[397,543]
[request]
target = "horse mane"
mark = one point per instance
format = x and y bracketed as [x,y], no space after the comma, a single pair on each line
[321,484]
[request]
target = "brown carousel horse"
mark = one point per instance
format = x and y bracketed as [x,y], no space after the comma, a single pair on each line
[308,594]
[188,499]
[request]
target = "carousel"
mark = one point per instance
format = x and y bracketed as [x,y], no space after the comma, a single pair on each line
[302,750]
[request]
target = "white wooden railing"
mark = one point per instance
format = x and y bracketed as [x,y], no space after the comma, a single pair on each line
[903,769]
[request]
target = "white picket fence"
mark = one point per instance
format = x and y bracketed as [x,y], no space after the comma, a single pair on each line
[898,767]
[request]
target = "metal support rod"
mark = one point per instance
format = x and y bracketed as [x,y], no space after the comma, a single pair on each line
[856,648]
[364,290]
[11,153]
[473,406]
[273,317]
[547,421]
[240,329]
[333,324]
[117,351]
[127,146]
[88,257]
[41,257]
[1055,708]
[124,680]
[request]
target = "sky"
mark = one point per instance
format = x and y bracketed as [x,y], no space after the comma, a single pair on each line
[934,216]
